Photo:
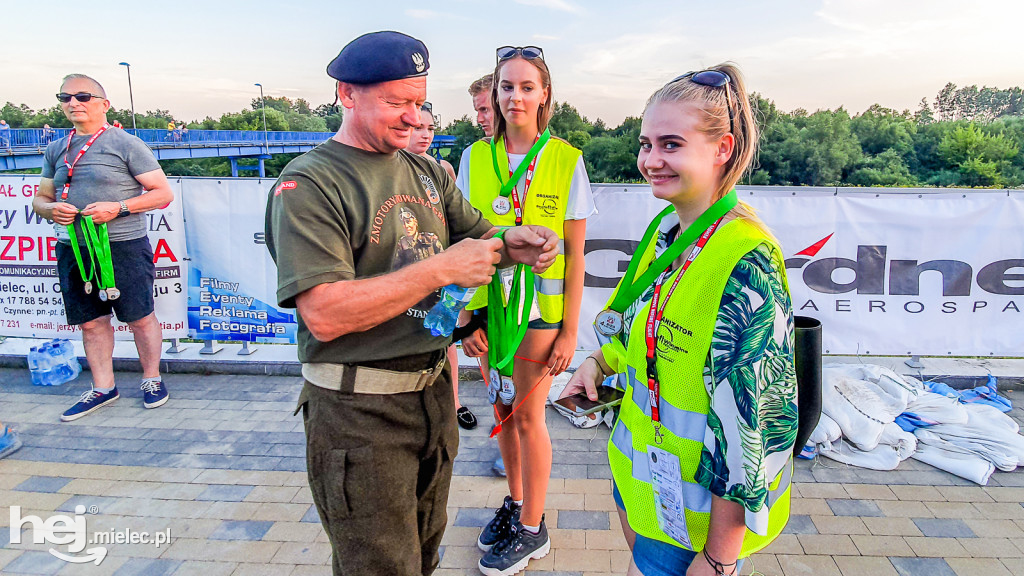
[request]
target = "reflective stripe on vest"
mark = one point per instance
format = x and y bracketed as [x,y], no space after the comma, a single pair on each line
[684,409]
[545,205]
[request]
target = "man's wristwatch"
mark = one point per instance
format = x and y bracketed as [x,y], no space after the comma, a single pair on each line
[124,210]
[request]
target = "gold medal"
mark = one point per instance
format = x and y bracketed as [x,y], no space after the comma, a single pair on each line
[113,293]
[88,287]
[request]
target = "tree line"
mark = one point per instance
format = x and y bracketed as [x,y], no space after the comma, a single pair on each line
[965,137]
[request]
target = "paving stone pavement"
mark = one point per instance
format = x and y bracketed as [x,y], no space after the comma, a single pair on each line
[222,467]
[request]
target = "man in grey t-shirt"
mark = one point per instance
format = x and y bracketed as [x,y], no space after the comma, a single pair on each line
[116,180]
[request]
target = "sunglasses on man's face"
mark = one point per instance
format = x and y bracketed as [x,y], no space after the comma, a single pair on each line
[713,79]
[83,97]
[527,52]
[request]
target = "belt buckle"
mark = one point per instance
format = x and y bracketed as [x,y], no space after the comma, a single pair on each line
[429,376]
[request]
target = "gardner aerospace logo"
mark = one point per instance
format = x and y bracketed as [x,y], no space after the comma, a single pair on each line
[874,273]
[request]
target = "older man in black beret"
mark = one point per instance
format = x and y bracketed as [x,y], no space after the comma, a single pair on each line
[377,402]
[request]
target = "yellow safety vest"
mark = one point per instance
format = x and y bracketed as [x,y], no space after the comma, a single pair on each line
[545,205]
[684,403]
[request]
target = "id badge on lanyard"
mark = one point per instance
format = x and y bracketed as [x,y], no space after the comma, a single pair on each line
[507,276]
[667,480]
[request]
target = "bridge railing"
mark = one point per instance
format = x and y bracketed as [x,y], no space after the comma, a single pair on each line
[35,140]
[204,138]
[30,138]
[27,140]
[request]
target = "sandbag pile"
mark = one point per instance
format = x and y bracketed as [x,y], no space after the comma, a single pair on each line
[874,418]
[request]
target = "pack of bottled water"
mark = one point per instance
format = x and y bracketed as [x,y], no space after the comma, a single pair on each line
[53,363]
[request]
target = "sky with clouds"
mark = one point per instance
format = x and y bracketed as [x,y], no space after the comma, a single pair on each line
[202,57]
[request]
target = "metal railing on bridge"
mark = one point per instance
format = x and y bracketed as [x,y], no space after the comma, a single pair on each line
[35,140]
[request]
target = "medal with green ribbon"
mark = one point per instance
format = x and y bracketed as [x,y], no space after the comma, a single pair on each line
[507,321]
[97,242]
[609,322]
[86,277]
[501,204]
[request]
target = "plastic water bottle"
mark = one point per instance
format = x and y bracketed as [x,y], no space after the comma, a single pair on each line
[40,365]
[53,363]
[70,360]
[67,366]
[443,317]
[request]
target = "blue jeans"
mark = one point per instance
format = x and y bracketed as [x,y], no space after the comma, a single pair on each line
[656,558]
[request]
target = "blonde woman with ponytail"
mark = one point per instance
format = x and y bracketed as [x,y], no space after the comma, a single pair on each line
[701,329]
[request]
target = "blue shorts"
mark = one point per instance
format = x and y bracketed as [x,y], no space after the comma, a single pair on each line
[540,324]
[656,558]
[134,274]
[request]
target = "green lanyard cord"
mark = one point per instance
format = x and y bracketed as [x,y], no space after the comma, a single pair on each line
[86,278]
[98,243]
[630,290]
[506,325]
[506,187]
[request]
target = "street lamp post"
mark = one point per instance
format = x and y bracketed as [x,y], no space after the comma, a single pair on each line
[263,105]
[131,97]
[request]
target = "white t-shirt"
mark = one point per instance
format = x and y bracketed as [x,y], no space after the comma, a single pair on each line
[581,198]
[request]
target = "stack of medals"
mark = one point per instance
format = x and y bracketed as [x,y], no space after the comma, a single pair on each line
[97,244]
[506,326]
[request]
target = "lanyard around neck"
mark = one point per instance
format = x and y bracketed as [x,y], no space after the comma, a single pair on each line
[631,287]
[538,144]
[655,315]
[517,204]
[71,165]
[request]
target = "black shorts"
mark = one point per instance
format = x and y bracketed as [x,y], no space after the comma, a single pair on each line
[134,274]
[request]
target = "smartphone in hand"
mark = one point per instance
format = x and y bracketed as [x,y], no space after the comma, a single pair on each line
[581,405]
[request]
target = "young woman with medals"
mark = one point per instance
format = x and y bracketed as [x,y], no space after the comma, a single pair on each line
[700,333]
[524,175]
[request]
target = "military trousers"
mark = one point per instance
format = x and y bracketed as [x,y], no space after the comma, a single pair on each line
[380,468]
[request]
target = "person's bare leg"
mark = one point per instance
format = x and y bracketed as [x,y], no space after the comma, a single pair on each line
[98,341]
[508,445]
[530,424]
[453,361]
[627,530]
[148,341]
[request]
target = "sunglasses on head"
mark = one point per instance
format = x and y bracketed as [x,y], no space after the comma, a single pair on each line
[527,52]
[428,107]
[64,97]
[713,79]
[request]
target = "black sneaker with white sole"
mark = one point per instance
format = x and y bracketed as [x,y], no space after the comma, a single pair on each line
[512,554]
[501,525]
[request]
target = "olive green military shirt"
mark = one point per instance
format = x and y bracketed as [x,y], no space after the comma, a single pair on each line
[342,213]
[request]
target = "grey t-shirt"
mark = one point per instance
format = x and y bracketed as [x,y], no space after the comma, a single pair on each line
[105,173]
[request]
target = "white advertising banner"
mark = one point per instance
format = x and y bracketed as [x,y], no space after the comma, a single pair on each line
[887,272]
[32,304]
[233,280]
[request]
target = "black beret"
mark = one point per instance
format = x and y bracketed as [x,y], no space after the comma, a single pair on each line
[380,57]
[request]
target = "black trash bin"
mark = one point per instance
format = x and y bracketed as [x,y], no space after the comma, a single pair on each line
[807,357]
